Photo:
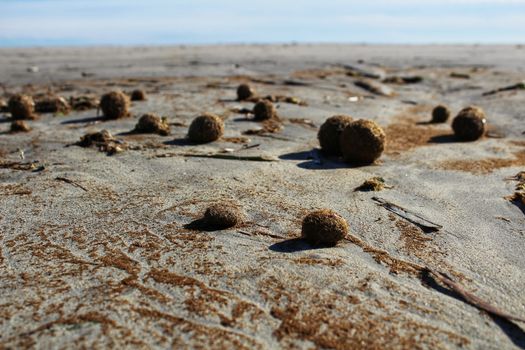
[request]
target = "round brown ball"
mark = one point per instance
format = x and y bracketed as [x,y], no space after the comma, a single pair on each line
[114,105]
[324,227]
[469,124]
[19,126]
[52,104]
[440,114]
[264,110]
[222,215]
[245,92]
[206,128]
[362,142]
[138,95]
[152,124]
[21,107]
[330,132]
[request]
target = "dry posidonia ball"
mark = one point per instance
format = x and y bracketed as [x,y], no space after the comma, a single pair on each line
[330,132]
[469,124]
[206,128]
[152,124]
[264,110]
[245,92]
[220,216]
[324,227]
[95,139]
[52,104]
[114,105]
[19,126]
[440,114]
[138,95]
[21,107]
[362,142]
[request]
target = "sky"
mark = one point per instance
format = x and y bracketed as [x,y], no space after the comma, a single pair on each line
[164,22]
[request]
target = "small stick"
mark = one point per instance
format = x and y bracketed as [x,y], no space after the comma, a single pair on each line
[71,182]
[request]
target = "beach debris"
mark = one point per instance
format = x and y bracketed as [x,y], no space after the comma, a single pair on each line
[206,128]
[82,103]
[440,114]
[374,87]
[33,69]
[324,227]
[373,184]
[426,225]
[21,107]
[469,124]
[518,86]
[71,182]
[330,132]
[269,126]
[459,75]
[362,142]
[19,126]
[138,95]
[519,195]
[114,105]
[285,99]
[366,72]
[222,215]
[303,121]
[103,141]
[3,106]
[227,156]
[403,80]
[52,104]
[30,166]
[264,110]
[150,123]
[245,92]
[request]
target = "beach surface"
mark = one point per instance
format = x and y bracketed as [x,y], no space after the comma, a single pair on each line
[95,250]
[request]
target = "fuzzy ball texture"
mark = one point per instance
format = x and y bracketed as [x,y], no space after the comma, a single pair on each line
[245,92]
[95,138]
[152,124]
[440,114]
[469,124]
[362,142]
[222,215]
[138,95]
[3,106]
[206,128]
[21,107]
[264,110]
[52,104]
[114,105]
[19,126]
[330,132]
[324,227]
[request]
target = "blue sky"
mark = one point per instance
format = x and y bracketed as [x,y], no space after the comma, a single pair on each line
[162,22]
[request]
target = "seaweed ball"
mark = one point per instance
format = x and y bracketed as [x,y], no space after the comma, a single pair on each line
[469,124]
[264,110]
[114,105]
[19,126]
[52,104]
[138,95]
[152,124]
[362,142]
[324,227]
[330,132]
[222,215]
[206,128]
[440,114]
[21,107]
[245,92]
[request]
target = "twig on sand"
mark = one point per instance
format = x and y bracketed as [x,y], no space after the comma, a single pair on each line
[71,182]
[262,158]
[519,86]
[426,225]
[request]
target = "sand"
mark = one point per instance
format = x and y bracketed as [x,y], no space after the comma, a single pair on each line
[95,250]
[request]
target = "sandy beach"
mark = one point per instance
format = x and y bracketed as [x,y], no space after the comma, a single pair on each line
[95,249]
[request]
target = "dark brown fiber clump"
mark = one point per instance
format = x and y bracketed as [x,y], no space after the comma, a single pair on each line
[264,110]
[19,126]
[469,124]
[440,114]
[138,95]
[21,107]
[222,215]
[114,105]
[330,132]
[324,227]
[245,92]
[362,142]
[206,128]
[152,124]
[52,104]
